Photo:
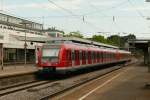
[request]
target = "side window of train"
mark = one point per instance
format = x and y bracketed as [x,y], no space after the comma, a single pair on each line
[80,54]
[92,55]
[76,55]
[86,54]
[97,54]
[101,55]
[83,55]
[89,55]
[69,55]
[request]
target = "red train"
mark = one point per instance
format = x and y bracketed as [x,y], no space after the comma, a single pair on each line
[63,56]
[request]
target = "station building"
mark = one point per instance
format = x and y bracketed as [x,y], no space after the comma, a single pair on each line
[16,34]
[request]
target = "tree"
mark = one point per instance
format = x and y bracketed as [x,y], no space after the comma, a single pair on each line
[115,40]
[99,38]
[120,41]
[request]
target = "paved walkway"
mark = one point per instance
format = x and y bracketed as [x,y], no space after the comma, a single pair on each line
[129,85]
[17,69]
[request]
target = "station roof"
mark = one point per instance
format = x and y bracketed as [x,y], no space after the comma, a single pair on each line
[82,41]
[72,39]
[139,43]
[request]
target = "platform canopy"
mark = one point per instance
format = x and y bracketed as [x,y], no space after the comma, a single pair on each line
[83,41]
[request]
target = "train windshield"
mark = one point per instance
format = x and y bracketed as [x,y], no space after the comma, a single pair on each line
[50,52]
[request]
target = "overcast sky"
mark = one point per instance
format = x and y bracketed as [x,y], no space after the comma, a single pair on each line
[87,16]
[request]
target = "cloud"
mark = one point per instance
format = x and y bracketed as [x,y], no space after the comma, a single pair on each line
[141,8]
[67,4]
[104,3]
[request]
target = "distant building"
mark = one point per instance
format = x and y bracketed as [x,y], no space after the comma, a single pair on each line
[53,33]
[12,39]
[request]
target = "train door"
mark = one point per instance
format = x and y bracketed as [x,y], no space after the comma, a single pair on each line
[104,57]
[68,58]
[92,57]
[117,56]
[83,58]
[89,57]
[80,57]
[77,61]
[73,57]
[98,56]
[38,55]
[95,57]
[86,57]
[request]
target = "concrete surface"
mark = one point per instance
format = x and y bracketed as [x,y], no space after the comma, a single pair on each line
[17,69]
[128,84]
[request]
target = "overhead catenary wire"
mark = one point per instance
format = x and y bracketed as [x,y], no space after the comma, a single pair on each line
[114,23]
[71,13]
[111,8]
[138,11]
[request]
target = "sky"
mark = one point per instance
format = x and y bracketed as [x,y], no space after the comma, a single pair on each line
[90,17]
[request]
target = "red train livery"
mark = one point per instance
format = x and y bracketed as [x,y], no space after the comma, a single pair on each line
[62,56]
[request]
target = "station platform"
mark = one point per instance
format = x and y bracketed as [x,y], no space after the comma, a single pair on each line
[12,70]
[129,84]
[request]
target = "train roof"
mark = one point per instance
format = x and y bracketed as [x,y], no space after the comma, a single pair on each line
[83,41]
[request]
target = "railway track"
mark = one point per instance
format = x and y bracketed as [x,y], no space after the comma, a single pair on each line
[43,90]
[21,87]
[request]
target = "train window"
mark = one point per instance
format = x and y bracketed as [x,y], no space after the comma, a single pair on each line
[86,54]
[69,55]
[76,55]
[101,56]
[80,55]
[111,55]
[89,55]
[97,55]
[104,54]
[93,55]
[83,55]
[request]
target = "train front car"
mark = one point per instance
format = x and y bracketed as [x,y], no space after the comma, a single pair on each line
[50,57]
[63,56]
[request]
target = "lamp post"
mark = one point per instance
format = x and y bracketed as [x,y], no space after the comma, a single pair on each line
[25,44]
